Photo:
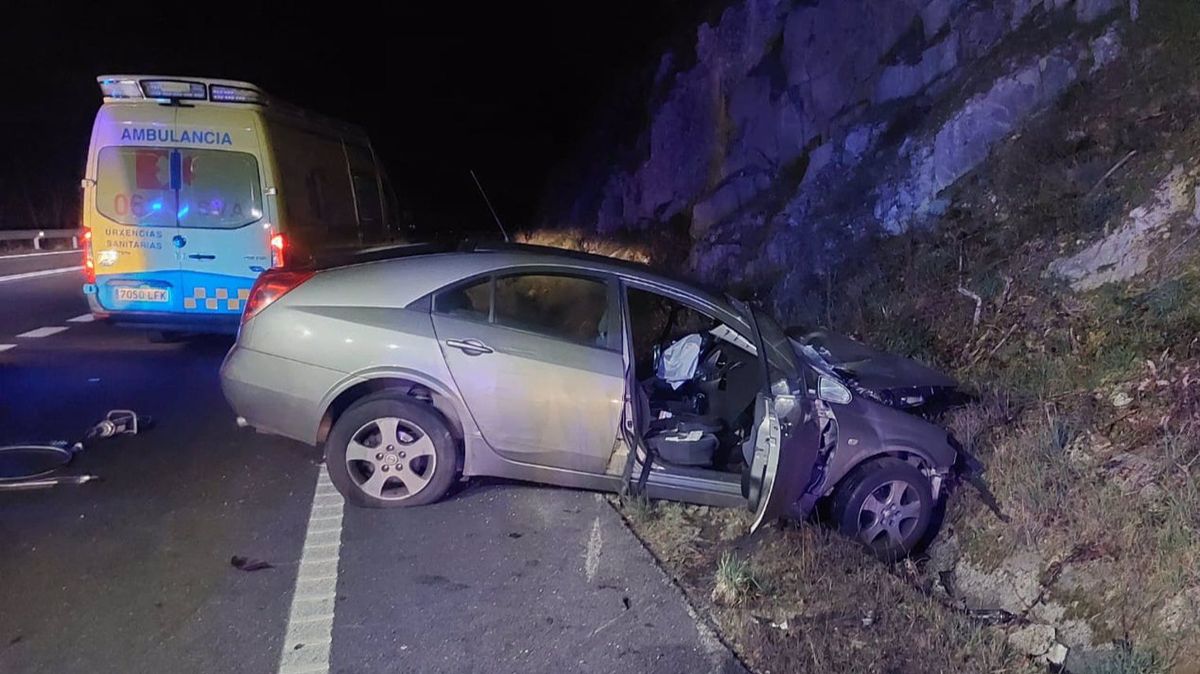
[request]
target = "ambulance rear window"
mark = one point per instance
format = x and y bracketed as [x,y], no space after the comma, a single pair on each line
[220,189]
[133,186]
[185,187]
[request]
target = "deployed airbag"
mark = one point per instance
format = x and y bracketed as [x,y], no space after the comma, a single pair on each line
[677,364]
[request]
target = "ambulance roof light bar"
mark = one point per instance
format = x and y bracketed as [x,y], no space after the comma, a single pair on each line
[124,87]
[174,90]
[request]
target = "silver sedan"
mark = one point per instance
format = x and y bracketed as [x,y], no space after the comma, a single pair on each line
[418,366]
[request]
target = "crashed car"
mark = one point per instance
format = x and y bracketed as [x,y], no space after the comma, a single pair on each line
[417,366]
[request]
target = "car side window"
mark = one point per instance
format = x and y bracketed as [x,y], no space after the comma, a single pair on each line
[563,307]
[471,301]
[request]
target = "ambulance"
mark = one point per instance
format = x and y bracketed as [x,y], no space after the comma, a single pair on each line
[195,186]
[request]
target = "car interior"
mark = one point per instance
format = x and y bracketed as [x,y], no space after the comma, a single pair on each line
[697,382]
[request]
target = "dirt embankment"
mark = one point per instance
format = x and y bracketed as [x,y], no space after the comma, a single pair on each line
[1079,238]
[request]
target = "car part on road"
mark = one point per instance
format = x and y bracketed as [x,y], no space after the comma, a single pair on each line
[386,451]
[25,467]
[43,483]
[27,462]
[249,563]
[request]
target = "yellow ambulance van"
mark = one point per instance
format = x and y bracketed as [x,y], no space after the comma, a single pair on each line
[194,186]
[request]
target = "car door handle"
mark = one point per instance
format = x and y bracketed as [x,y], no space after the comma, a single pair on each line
[202,256]
[471,347]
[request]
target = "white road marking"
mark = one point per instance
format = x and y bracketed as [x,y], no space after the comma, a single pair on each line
[310,622]
[49,252]
[35,274]
[38,333]
[6,347]
[591,560]
[84,318]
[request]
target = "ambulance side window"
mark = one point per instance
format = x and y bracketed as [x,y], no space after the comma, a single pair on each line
[365,181]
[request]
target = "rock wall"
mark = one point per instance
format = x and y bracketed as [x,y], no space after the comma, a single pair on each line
[803,125]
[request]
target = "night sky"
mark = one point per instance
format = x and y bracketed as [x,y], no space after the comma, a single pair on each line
[505,88]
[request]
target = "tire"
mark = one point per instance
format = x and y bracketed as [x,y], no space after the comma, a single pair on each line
[417,468]
[890,488]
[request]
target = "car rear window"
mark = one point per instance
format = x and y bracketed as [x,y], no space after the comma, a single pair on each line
[472,301]
[185,187]
[565,307]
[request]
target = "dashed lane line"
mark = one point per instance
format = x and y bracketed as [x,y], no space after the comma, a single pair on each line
[35,274]
[48,252]
[6,347]
[82,318]
[309,637]
[591,558]
[38,333]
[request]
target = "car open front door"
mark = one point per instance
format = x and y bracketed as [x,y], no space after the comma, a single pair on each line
[786,436]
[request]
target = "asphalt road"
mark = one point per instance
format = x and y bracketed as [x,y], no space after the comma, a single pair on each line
[31,262]
[133,574]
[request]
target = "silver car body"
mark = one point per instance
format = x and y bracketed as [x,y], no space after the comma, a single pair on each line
[534,408]
[530,407]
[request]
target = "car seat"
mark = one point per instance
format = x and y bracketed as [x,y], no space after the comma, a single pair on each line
[681,439]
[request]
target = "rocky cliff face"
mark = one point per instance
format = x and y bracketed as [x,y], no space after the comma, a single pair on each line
[1011,191]
[802,126]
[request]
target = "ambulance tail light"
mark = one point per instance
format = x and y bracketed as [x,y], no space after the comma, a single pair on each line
[89,263]
[270,286]
[278,248]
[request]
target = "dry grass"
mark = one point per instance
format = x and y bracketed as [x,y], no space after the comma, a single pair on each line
[1092,403]
[803,599]
[736,580]
[580,240]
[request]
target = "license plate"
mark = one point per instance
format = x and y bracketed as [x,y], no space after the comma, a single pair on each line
[126,294]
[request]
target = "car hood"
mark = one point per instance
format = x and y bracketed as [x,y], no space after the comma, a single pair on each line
[873,369]
[893,380]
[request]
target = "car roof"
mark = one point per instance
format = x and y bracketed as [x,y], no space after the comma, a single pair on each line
[520,254]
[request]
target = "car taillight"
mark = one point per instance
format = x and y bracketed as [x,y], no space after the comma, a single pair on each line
[89,264]
[278,244]
[270,286]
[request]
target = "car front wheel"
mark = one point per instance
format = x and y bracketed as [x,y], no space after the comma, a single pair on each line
[386,452]
[886,505]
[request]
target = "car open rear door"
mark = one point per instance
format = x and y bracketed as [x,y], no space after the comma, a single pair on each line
[786,437]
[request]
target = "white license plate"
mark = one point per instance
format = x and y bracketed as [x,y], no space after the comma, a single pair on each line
[126,294]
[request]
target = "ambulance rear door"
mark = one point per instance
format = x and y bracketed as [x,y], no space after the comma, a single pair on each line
[132,216]
[225,229]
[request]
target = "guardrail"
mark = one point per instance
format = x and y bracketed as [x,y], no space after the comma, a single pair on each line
[39,235]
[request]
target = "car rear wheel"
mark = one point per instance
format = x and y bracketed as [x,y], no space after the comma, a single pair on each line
[886,505]
[389,452]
